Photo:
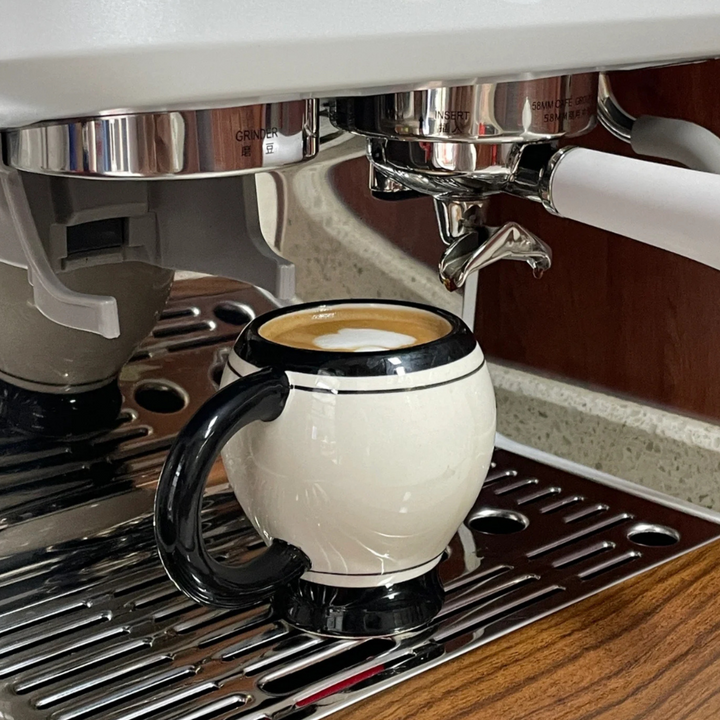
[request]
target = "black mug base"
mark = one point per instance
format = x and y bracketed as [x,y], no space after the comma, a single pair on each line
[67,415]
[361,612]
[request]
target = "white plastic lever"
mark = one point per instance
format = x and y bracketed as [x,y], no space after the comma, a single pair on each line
[669,207]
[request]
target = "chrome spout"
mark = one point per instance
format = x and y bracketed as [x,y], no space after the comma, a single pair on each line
[510,242]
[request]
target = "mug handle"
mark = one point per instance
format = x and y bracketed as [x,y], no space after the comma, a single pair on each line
[178,500]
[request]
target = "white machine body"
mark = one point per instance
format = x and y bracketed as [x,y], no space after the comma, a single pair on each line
[82,57]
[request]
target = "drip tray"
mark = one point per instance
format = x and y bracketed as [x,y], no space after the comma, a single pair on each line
[90,626]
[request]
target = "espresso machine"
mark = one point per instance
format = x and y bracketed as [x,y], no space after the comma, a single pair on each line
[139,140]
[88,263]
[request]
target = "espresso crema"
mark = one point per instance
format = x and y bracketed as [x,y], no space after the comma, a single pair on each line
[356,328]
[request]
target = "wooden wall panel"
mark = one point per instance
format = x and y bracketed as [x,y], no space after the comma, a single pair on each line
[611,312]
[410,224]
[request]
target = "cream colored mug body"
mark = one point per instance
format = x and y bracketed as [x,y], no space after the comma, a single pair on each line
[356,468]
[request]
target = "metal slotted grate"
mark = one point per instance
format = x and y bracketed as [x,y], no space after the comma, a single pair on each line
[90,627]
[186,351]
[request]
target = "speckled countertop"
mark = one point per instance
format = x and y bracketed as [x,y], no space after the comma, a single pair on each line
[674,454]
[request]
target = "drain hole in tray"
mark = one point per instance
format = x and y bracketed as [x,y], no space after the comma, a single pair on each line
[160,397]
[315,672]
[653,535]
[234,313]
[170,331]
[173,313]
[491,521]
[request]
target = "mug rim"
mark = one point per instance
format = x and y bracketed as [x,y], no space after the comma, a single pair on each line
[257,350]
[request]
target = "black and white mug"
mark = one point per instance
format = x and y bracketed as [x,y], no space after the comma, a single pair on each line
[356,455]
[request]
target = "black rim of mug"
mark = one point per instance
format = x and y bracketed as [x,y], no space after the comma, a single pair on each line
[261,352]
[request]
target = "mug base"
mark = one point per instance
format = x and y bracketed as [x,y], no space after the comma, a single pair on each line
[343,612]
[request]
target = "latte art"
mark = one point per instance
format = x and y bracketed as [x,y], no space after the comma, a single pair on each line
[356,328]
[363,340]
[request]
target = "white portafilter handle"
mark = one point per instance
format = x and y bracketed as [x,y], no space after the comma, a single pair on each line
[669,207]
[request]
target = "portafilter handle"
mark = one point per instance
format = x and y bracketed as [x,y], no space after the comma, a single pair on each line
[672,208]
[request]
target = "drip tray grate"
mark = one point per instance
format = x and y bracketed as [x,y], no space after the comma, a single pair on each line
[91,628]
[112,638]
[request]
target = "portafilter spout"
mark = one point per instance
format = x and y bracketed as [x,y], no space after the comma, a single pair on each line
[473,246]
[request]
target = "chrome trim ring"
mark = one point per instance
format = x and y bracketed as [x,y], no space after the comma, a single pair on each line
[546,179]
[183,143]
[611,115]
[522,111]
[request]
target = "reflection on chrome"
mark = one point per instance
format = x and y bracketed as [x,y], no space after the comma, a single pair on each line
[186,143]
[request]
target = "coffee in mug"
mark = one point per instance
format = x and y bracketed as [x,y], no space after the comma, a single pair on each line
[356,328]
[356,436]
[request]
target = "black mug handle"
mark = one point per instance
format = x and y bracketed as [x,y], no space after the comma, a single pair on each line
[178,501]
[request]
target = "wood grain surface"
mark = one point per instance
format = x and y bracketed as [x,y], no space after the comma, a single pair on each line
[647,649]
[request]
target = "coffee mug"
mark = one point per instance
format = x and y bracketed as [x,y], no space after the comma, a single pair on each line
[356,436]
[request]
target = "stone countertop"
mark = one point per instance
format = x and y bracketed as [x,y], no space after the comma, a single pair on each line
[668,452]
